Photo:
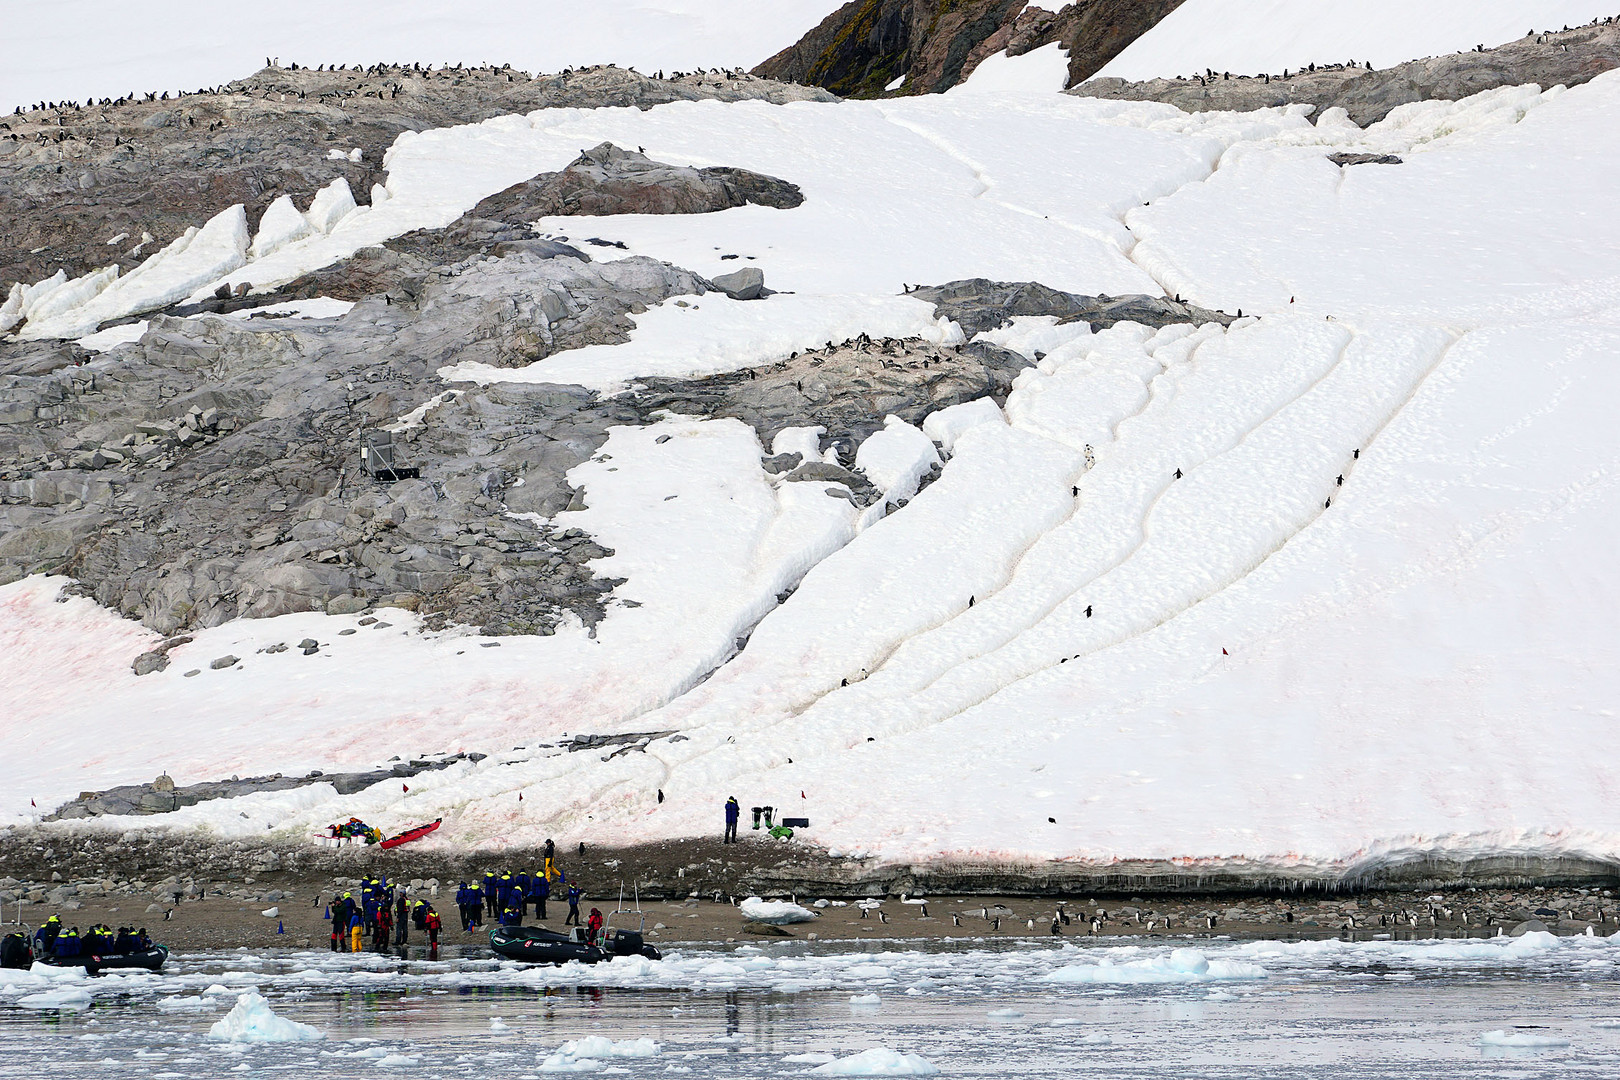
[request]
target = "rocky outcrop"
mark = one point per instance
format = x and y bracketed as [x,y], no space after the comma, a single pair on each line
[864,47]
[112,182]
[1566,57]
[211,469]
[978,304]
[608,180]
[161,796]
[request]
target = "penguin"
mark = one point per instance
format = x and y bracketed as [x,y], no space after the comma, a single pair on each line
[996,923]
[1088,611]
[1178,474]
[955,919]
[660,794]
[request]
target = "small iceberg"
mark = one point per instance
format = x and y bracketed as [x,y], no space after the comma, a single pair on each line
[1520,1040]
[878,1061]
[252,1021]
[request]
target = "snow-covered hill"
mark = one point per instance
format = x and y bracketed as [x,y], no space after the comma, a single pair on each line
[1337,588]
[1260,36]
[81,49]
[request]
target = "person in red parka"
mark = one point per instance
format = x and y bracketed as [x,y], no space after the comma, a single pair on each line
[432,922]
[593,925]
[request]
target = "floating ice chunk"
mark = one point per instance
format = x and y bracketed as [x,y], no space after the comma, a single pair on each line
[252,1021]
[809,1059]
[896,458]
[1520,1040]
[878,1061]
[946,425]
[1181,966]
[497,1024]
[864,1001]
[397,1060]
[599,1046]
[331,204]
[72,997]
[1005,1014]
[281,225]
[776,912]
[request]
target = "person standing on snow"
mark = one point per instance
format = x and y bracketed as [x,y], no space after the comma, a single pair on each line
[733,812]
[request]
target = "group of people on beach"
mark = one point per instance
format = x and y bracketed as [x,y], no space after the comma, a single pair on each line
[505,897]
[100,940]
[383,912]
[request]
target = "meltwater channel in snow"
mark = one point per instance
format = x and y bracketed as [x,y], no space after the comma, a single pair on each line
[1003,1009]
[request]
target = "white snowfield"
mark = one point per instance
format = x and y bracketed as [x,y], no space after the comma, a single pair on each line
[1254,37]
[76,49]
[1326,590]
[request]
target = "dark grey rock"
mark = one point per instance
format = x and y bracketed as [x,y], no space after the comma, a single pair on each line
[148,662]
[219,663]
[609,180]
[745,284]
[1364,159]
[978,304]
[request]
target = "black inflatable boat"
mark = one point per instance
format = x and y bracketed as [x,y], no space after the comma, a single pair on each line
[148,959]
[17,952]
[537,945]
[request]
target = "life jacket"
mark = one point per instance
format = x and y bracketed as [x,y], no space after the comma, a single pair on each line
[433,921]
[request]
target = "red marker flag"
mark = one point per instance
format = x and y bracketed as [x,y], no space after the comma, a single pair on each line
[405,787]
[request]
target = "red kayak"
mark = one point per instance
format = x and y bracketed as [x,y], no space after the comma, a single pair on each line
[411,834]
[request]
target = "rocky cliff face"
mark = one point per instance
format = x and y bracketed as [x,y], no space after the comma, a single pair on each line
[865,46]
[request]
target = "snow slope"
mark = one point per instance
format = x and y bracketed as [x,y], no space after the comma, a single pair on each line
[78,49]
[1327,589]
[1266,36]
